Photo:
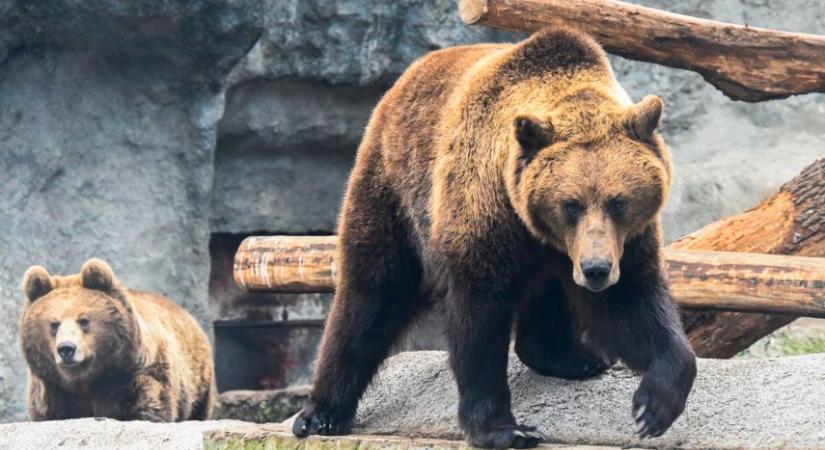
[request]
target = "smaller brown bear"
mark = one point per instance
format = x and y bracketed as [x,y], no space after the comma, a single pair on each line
[97,349]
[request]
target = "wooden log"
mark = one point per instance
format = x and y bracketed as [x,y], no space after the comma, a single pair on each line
[792,222]
[745,63]
[286,264]
[699,279]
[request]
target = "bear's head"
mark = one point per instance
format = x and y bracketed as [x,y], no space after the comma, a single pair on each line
[588,173]
[76,327]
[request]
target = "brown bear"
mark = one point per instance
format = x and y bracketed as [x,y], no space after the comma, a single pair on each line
[97,349]
[513,184]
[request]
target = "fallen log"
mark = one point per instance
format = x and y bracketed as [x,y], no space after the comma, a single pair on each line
[792,222]
[745,63]
[286,264]
[699,279]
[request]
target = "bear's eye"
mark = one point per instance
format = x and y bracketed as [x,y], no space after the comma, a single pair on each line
[616,206]
[83,322]
[572,209]
[54,326]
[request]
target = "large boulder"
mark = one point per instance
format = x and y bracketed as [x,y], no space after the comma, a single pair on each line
[759,403]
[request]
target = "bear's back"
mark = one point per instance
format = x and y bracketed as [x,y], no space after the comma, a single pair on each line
[447,102]
[169,323]
[402,134]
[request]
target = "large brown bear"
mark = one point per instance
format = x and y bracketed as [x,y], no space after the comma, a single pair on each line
[514,183]
[97,349]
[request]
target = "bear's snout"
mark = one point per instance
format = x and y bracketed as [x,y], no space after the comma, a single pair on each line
[69,350]
[596,272]
[66,350]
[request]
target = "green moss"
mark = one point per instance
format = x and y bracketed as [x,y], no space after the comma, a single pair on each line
[784,344]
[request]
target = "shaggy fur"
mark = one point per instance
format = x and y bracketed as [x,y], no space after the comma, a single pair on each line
[492,178]
[137,356]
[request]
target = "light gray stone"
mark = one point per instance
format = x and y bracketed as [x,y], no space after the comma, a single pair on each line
[356,42]
[760,403]
[285,149]
[108,434]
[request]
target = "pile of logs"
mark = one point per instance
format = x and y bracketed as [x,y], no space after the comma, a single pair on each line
[736,279]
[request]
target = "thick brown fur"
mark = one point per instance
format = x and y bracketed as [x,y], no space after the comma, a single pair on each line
[515,184]
[133,355]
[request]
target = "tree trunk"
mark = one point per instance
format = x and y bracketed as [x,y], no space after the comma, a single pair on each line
[745,63]
[792,222]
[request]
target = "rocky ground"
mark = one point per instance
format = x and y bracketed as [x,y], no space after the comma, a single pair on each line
[736,404]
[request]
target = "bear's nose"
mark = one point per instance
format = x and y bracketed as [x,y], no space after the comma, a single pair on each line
[596,270]
[66,350]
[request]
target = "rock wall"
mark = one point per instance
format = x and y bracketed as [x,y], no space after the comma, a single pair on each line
[134,130]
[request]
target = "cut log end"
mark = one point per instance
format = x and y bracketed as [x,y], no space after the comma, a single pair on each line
[471,11]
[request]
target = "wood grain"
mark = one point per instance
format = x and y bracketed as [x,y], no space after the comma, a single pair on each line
[791,222]
[745,63]
[699,279]
[286,264]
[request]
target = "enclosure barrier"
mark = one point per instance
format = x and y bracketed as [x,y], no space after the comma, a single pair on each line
[745,63]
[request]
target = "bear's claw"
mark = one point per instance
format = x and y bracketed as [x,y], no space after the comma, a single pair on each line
[323,424]
[655,409]
[516,436]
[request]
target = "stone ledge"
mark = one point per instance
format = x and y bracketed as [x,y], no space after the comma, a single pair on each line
[755,404]
[278,436]
[260,406]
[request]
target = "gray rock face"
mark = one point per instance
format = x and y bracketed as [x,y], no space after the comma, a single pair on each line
[286,147]
[357,42]
[765,403]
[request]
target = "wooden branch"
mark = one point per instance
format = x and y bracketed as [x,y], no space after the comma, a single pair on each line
[792,222]
[745,63]
[700,279]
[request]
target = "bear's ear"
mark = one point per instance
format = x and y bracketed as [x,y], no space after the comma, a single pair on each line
[97,275]
[36,283]
[643,117]
[533,134]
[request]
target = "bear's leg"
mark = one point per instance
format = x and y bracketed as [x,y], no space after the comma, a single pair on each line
[203,406]
[478,332]
[639,323]
[140,398]
[377,295]
[546,340]
[51,403]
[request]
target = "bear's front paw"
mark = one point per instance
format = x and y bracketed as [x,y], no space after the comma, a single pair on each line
[656,405]
[515,436]
[310,422]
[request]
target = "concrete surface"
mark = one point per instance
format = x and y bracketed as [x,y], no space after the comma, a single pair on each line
[755,404]
[275,436]
[748,404]
[107,434]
